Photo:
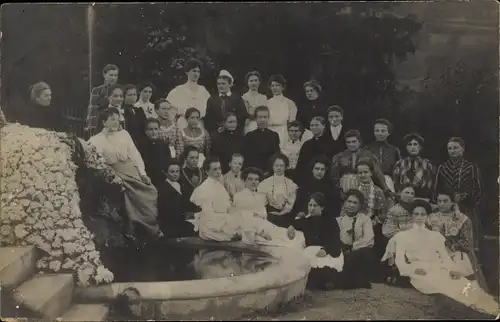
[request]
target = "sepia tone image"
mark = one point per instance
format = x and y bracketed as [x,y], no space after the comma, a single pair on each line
[249,161]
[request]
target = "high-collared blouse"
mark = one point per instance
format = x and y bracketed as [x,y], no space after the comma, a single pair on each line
[386,154]
[456,228]
[417,171]
[118,147]
[147,107]
[280,192]
[356,231]
[398,219]
[182,97]
[197,137]
[253,100]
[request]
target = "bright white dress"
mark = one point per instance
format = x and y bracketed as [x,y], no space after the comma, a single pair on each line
[282,110]
[182,97]
[422,248]
[252,101]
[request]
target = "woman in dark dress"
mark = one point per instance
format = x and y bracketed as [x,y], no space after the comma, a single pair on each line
[39,113]
[318,180]
[320,229]
[228,142]
[135,119]
[314,105]
[463,178]
[318,145]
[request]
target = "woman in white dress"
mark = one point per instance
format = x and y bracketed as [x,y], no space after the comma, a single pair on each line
[253,98]
[220,221]
[189,94]
[282,109]
[421,255]
[117,147]
[280,192]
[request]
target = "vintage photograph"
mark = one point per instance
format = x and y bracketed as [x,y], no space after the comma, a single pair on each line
[249,161]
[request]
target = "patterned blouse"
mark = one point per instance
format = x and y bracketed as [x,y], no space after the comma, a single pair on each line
[456,228]
[168,132]
[460,176]
[356,231]
[196,137]
[375,202]
[418,172]
[398,219]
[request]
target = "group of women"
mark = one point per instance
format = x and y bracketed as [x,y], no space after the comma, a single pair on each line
[269,172]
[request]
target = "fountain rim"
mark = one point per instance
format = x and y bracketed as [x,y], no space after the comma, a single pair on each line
[291,267]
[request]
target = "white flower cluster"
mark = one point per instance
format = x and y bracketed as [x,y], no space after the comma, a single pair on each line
[39,203]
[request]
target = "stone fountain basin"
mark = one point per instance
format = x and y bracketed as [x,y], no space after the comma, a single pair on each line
[215,298]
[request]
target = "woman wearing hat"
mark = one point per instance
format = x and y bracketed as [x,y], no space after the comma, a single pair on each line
[218,106]
[253,98]
[414,170]
[189,94]
[283,109]
[314,104]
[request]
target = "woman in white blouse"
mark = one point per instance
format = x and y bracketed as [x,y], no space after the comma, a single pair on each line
[253,98]
[145,93]
[282,109]
[280,193]
[189,94]
[117,147]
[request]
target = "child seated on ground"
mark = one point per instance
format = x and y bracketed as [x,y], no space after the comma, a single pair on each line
[232,180]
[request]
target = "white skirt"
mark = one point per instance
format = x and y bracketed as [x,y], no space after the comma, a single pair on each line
[462,263]
[336,263]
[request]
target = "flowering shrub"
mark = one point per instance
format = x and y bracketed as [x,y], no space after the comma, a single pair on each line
[39,203]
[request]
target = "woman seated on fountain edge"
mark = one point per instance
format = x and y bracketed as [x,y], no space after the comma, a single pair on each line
[219,221]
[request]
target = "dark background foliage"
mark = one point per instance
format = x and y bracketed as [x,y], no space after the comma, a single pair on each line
[351,49]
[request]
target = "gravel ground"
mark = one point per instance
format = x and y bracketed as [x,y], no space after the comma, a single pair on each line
[382,302]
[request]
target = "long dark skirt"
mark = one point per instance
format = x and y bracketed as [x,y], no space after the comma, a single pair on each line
[283,221]
[176,227]
[323,278]
[357,271]
[378,252]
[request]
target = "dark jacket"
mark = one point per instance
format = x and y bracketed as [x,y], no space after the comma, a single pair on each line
[216,112]
[260,146]
[312,149]
[336,146]
[309,109]
[326,187]
[37,116]
[185,180]
[135,123]
[156,156]
[321,231]
[224,145]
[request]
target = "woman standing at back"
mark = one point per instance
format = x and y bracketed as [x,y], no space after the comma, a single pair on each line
[282,109]
[253,98]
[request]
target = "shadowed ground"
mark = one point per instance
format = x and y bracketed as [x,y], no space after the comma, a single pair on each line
[381,302]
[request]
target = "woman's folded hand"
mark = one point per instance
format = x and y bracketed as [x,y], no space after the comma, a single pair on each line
[321,253]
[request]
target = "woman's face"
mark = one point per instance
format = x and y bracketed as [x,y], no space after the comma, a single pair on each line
[193,119]
[313,208]
[192,159]
[419,216]
[162,110]
[316,127]
[214,171]
[112,123]
[381,132]
[231,123]
[236,164]
[335,118]
[45,98]
[152,130]
[279,167]
[276,88]
[223,85]
[352,204]
[364,173]
[194,75]
[131,96]
[319,171]
[146,94]
[111,77]
[352,143]
[252,181]
[253,83]
[116,97]
[455,150]
[294,133]
[311,93]
[444,203]
[174,172]
[408,194]
[413,147]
